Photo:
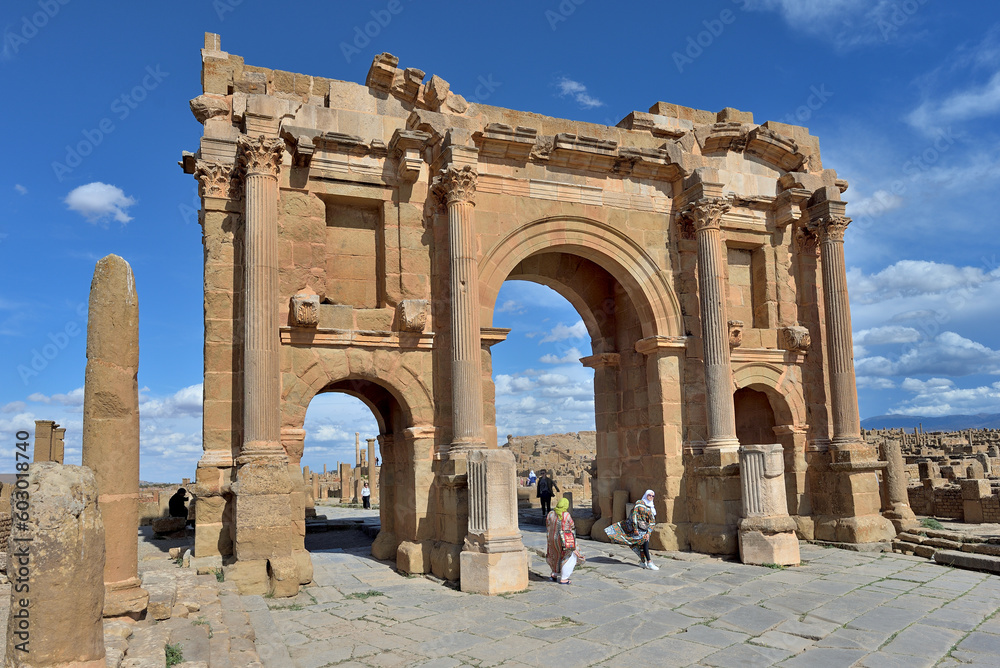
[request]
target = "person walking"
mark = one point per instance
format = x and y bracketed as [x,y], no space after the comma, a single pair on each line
[544,491]
[561,553]
[366,496]
[635,530]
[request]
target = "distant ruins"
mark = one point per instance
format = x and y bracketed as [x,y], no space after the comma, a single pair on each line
[356,237]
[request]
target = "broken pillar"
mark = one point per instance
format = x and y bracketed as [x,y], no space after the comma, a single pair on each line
[766,532]
[58,549]
[493,560]
[894,475]
[111,427]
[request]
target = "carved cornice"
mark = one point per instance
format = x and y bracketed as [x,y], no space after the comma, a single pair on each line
[216,179]
[260,155]
[706,213]
[830,228]
[456,185]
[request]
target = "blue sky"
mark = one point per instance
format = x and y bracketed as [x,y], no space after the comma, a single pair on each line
[904,97]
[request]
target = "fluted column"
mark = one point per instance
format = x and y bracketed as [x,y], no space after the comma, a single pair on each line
[706,215]
[457,187]
[261,160]
[840,347]
[264,545]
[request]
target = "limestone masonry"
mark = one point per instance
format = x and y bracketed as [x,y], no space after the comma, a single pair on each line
[356,237]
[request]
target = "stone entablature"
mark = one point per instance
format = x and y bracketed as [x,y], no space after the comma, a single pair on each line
[399,210]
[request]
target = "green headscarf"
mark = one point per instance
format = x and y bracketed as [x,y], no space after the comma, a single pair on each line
[562,506]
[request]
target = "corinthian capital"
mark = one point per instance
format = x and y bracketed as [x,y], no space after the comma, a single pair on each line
[260,155]
[830,228]
[456,185]
[706,213]
[215,179]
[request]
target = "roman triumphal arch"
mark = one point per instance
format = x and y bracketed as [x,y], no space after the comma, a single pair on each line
[356,237]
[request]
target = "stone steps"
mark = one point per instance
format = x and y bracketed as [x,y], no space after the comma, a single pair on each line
[952,548]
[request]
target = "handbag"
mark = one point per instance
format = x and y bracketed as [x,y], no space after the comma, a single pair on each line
[567,537]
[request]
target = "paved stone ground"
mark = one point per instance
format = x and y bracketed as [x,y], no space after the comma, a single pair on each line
[839,608]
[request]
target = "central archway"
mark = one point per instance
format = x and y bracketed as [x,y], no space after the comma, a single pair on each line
[623,299]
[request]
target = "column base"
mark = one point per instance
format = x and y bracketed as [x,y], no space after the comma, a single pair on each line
[901,519]
[761,549]
[125,598]
[714,538]
[277,576]
[494,573]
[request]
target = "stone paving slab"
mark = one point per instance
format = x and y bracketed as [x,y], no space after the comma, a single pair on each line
[838,608]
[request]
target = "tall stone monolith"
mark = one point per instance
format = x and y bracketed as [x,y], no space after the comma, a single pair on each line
[111,427]
[55,561]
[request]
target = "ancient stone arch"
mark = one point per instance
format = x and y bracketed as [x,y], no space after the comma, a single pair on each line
[356,237]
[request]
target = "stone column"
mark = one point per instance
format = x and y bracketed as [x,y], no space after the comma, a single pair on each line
[63,541]
[264,563]
[840,345]
[899,512]
[357,449]
[855,499]
[371,462]
[457,187]
[706,215]
[111,427]
[766,533]
[43,440]
[58,444]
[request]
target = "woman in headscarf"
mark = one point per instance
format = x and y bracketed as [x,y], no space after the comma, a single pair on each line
[635,530]
[561,552]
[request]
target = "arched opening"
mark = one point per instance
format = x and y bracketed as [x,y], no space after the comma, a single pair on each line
[754,417]
[621,412]
[349,428]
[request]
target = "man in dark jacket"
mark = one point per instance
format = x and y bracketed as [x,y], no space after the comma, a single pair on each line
[176,505]
[545,490]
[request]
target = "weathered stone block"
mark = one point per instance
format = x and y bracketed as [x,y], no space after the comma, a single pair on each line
[414,557]
[494,573]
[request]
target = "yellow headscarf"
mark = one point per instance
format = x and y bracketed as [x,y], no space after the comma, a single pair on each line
[562,506]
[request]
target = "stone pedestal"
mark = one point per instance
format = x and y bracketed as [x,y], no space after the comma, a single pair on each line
[494,560]
[766,532]
[111,427]
[61,547]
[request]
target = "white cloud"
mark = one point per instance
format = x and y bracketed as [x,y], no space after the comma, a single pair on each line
[886,334]
[72,398]
[882,201]
[99,201]
[871,382]
[913,277]
[572,355]
[962,105]
[846,23]
[561,332]
[328,432]
[940,396]
[576,90]
[13,407]
[21,189]
[947,354]
[183,402]
[511,306]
